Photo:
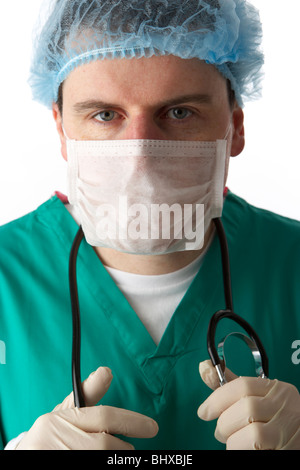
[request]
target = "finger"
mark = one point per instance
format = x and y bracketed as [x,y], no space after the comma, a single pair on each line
[256,436]
[242,413]
[100,441]
[126,423]
[109,442]
[93,388]
[294,442]
[210,377]
[223,397]
[96,386]
[111,421]
[80,440]
[279,431]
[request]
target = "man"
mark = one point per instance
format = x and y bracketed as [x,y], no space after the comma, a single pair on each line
[147,99]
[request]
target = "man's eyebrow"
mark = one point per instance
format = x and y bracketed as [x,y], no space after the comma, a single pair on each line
[92,104]
[98,104]
[195,98]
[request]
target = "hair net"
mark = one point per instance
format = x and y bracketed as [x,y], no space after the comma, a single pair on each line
[226,33]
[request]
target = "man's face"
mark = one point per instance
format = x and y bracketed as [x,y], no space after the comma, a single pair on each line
[163,98]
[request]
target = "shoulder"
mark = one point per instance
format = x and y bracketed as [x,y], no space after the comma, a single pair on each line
[36,229]
[28,220]
[260,236]
[259,221]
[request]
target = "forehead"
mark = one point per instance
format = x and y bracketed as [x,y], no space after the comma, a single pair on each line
[148,80]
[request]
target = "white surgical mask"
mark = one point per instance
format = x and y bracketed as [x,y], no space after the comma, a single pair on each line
[146,196]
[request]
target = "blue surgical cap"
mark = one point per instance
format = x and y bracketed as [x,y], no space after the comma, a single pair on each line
[225,33]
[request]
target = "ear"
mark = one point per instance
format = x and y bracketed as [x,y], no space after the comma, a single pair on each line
[59,126]
[238,135]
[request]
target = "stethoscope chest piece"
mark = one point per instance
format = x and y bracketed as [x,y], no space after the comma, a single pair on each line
[251,339]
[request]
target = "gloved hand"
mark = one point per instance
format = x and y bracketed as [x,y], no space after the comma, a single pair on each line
[90,428]
[253,413]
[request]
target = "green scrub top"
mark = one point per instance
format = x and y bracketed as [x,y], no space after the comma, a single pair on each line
[160,381]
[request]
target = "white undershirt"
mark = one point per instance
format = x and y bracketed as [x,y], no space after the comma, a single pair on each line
[155,298]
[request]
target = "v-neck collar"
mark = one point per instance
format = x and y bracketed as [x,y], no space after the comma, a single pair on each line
[154,361]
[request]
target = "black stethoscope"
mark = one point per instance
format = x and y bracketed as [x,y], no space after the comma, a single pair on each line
[216,354]
[252,340]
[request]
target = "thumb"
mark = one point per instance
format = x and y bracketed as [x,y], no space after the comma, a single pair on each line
[210,377]
[93,388]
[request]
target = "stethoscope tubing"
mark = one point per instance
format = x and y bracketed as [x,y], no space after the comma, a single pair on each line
[79,401]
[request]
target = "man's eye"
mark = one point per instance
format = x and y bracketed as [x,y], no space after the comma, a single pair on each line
[178,113]
[105,116]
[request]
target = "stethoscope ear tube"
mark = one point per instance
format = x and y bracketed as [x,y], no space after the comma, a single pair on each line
[225,263]
[76,373]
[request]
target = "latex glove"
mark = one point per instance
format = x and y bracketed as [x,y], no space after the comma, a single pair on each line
[253,413]
[90,428]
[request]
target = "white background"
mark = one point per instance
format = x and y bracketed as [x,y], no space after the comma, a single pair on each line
[266,174]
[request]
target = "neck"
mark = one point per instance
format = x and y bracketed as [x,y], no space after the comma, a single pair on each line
[148,264]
